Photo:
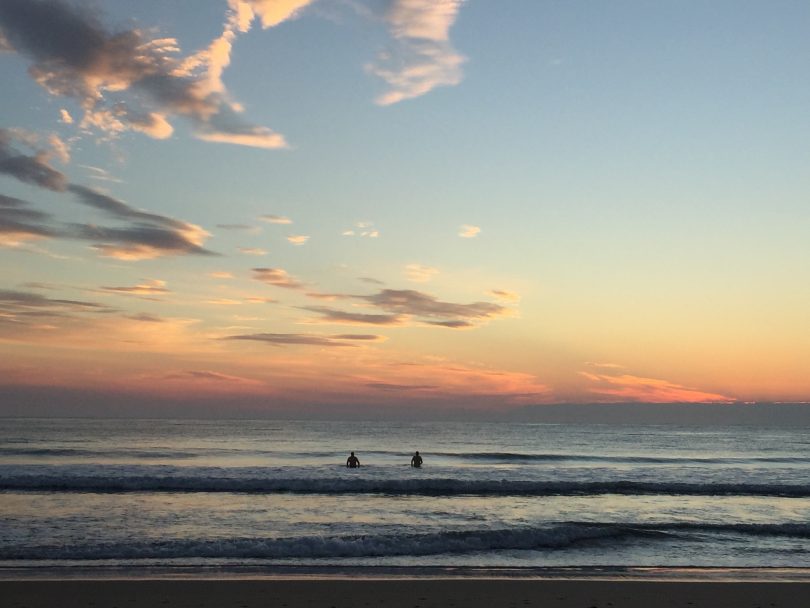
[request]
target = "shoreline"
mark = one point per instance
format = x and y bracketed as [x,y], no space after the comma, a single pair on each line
[685,574]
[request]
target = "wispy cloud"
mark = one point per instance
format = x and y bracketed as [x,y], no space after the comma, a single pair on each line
[439,379]
[252,251]
[387,386]
[22,312]
[331,315]
[277,277]
[208,376]
[604,365]
[102,175]
[423,57]
[505,295]
[359,337]
[223,302]
[362,229]
[150,235]
[468,231]
[627,387]
[399,306]
[220,274]
[419,273]
[240,228]
[275,219]
[153,287]
[19,223]
[371,281]
[298,239]
[146,235]
[260,300]
[340,340]
[146,318]
[425,306]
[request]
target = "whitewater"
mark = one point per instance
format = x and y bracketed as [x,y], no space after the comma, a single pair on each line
[151,493]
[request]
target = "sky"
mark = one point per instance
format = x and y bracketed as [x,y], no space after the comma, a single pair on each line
[431,204]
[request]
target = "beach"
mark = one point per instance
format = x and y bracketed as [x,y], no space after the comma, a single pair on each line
[401,593]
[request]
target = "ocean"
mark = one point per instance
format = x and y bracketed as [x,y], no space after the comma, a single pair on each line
[266,494]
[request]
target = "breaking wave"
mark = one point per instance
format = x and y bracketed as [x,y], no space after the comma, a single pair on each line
[254,482]
[552,537]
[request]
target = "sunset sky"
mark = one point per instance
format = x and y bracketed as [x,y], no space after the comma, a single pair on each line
[447,203]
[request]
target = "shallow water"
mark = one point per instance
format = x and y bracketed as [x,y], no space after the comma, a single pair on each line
[156,493]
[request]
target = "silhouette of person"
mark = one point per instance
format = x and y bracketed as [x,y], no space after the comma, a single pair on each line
[352,461]
[416,461]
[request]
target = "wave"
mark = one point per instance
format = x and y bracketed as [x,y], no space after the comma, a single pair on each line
[63,482]
[482,457]
[519,457]
[114,453]
[552,537]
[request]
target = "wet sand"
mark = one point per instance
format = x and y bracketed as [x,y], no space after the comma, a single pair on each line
[400,593]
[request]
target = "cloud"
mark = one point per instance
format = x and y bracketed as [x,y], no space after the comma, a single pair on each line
[423,57]
[303,339]
[19,223]
[59,147]
[220,274]
[627,387]
[65,117]
[35,170]
[363,229]
[119,209]
[147,235]
[419,273]
[153,287]
[128,80]
[452,324]
[503,294]
[231,131]
[209,376]
[360,337]
[326,296]
[23,311]
[331,315]
[387,386]
[271,12]
[604,365]
[468,231]
[299,239]
[99,174]
[371,281]
[224,302]
[439,379]
[145,318]
[275,219]
[141,241]
[277,277]
[425,306]
[401,305]
[240,227]
[260,300]
[252,250]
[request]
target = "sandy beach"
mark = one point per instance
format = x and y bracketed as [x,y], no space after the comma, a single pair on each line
[401,593]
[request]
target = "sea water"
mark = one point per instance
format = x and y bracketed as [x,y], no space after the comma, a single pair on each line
[225,493]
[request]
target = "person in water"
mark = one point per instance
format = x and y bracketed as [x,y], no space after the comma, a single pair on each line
[416,461]
[352,461]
